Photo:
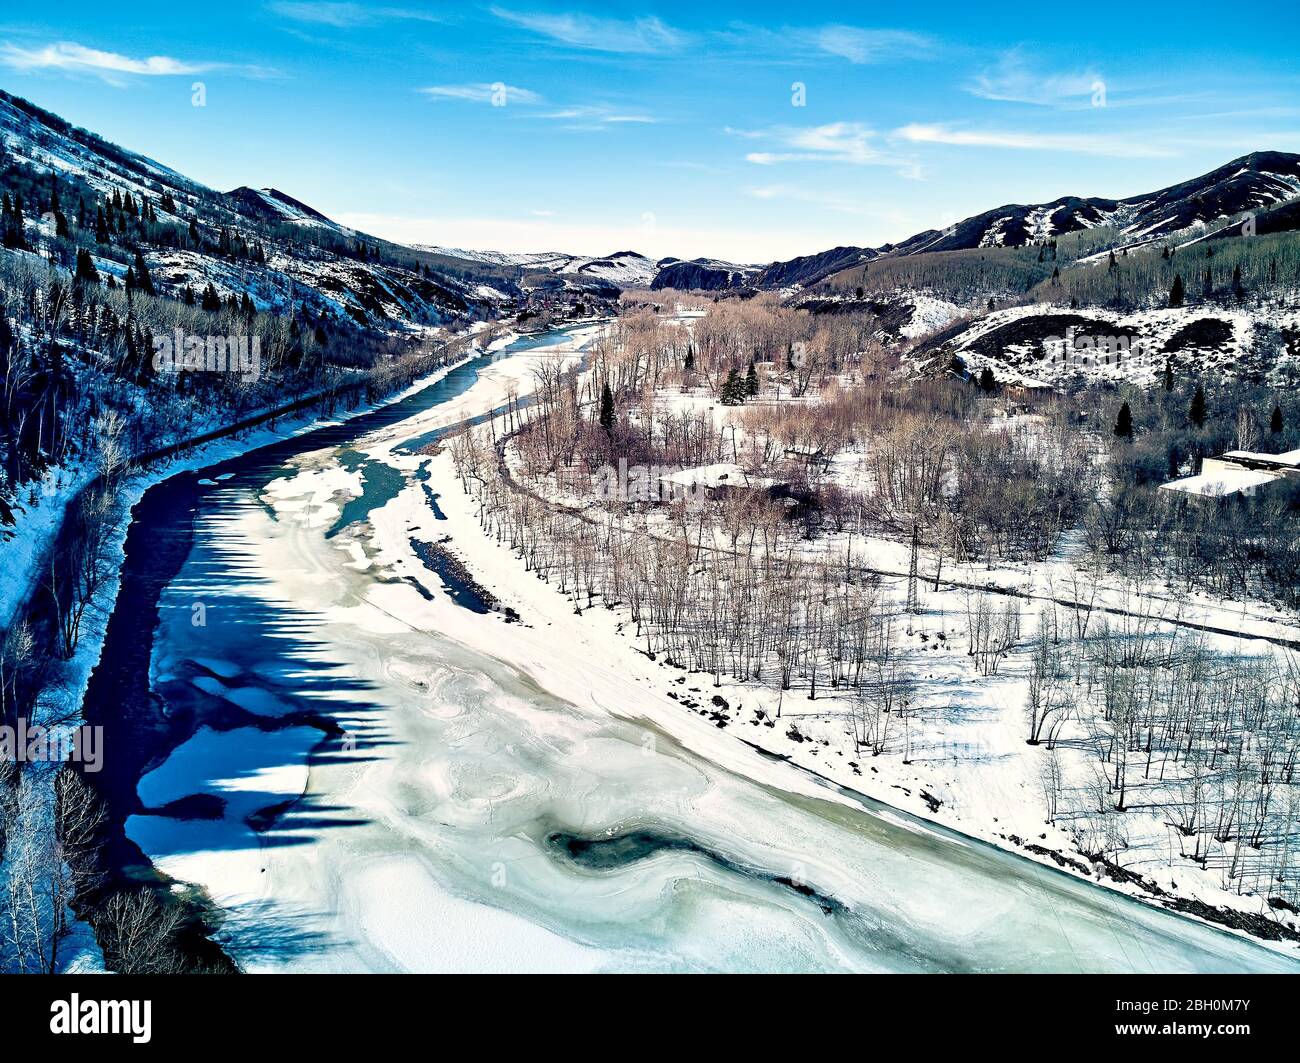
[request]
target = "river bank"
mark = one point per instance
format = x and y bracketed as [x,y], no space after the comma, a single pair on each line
[126,696]
[63,704]
[520,796]
[685,704]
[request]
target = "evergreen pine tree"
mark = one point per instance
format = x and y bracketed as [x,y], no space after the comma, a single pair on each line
[1275,422]
[14,237]
[1176,291]
[987,381]
[751,382]
[211,300]
[732,393]
[1124,422]
[607,409]
[86,271]
[142,277]
[1196,412]
[1169,375]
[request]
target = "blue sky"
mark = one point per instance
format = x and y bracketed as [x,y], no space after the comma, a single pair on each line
[667,128]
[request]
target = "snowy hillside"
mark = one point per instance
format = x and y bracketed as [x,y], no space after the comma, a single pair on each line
[1252,183]
[901,315]
[1072,347]
[357,280]
[623,269]
[705,274]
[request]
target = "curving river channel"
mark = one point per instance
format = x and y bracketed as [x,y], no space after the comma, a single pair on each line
[305,730]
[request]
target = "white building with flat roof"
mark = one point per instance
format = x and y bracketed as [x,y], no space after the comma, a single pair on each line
[1238,472]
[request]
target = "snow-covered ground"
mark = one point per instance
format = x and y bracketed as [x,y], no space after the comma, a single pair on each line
[435,834]
[29,543]
[1115,347]
[969,752]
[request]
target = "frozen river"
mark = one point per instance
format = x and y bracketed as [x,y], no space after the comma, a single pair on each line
[461,815]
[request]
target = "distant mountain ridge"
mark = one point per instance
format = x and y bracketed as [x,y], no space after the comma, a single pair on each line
[262,244]
[703,274]
[624,269]
[1262,181]
[371,281]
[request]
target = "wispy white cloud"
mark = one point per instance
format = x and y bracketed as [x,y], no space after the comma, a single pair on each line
[343,15]
[859,45]
[1012,80]
[581,117]
[482,92]
[646,35]
[845,142]
[1081,143]
[835,142]
[586,115]
[70,57]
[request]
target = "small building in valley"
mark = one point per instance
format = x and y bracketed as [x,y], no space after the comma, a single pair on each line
[1239,473]
[1029,393]
[714,480]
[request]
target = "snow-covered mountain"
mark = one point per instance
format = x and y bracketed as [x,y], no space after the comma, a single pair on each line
[1264,182]
[1258,182]
[523,259]
[276,206]
[622,269]
[260,242]
[706,274]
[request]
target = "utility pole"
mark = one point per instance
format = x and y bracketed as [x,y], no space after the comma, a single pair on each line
[913,600]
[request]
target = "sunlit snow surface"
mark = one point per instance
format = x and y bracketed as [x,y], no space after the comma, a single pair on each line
[431,835]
